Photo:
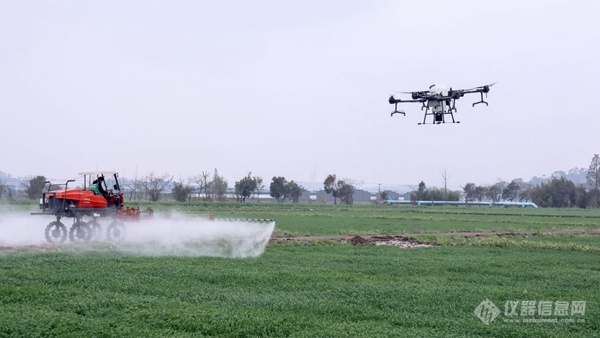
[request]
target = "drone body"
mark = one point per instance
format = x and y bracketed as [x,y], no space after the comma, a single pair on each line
[439,101]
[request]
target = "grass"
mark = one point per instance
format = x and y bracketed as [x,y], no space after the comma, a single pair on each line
[316,289]
[292,290]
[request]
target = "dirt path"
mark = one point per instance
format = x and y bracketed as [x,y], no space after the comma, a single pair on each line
[409,237]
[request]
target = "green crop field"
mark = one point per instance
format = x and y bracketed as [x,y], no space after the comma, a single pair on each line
[323,287]
[304,219]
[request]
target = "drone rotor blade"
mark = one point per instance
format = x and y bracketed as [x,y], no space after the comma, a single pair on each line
[489,85]
[480,87]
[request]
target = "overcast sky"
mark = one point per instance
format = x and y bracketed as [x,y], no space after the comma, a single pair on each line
[297,88]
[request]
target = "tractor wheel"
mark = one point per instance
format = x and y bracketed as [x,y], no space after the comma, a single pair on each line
[116,231]
[96,230]
[56,232]
[80,232]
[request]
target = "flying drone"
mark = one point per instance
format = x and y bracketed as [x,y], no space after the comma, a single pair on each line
[439,101]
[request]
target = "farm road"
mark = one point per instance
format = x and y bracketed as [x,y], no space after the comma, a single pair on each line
[371,238]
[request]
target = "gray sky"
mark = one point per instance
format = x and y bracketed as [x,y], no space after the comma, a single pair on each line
[296,88]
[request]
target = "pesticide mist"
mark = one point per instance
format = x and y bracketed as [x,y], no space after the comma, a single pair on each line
[175,235]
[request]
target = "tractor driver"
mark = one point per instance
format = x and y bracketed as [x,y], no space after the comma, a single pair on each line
[99,187]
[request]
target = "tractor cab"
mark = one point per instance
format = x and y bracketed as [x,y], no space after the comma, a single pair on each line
[108,181]
[93,190]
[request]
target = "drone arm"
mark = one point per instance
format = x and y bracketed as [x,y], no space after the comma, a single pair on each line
[395,102]
[480,90]
[470,91]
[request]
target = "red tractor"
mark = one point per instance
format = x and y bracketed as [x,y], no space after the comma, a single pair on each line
[93,200]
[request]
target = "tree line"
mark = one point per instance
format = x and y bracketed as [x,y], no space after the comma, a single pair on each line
[557,192]
[205,186]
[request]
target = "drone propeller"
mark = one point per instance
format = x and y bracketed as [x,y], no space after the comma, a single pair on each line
[481,87]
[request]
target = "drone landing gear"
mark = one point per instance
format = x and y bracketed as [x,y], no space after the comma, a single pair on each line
[396,111]
[481,101]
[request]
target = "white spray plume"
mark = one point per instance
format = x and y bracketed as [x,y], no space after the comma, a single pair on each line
[176,235]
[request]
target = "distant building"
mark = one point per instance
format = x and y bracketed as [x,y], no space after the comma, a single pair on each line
[360,196]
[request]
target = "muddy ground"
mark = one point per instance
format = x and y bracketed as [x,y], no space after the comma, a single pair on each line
[408,240]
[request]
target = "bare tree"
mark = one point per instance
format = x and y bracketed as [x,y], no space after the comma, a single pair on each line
[155,185]
[202,183]
[135,188]
[445,178]
[141,187]
[131,187]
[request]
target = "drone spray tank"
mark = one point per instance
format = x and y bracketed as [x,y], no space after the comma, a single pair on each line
[438,106]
